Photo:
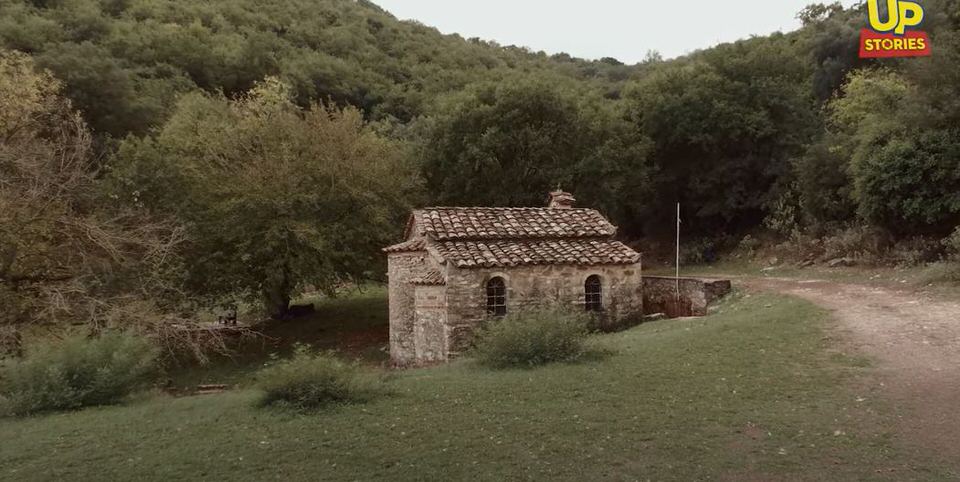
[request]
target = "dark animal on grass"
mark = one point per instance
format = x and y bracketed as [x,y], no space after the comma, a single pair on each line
[298,311]
[228,316]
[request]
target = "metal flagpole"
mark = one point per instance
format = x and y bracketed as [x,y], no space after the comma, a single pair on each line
[678,251]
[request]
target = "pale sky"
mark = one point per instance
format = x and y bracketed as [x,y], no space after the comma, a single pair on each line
[622,29]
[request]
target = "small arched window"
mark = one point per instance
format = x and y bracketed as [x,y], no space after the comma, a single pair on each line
[593,289]
[497,297]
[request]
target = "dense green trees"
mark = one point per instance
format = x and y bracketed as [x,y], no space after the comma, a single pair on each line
[297,180]
[508,144]
[124,61]
[912,184]
[725,124]
[502,144]
[888,154]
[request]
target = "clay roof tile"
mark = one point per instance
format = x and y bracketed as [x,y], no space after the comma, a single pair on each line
[506,253]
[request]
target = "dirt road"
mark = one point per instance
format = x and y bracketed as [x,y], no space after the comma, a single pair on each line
[915,342]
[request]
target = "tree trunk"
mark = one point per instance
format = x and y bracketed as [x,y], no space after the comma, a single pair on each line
[277,298]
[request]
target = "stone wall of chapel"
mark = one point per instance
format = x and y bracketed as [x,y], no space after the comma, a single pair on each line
[401,268]
[530,286]
[430,324]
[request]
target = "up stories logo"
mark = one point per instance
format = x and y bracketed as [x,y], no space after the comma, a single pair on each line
[892,32]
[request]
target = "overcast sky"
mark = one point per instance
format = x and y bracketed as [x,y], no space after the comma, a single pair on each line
[624,29]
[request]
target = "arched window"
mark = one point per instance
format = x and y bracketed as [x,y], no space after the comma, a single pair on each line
[497,297]
[594,293]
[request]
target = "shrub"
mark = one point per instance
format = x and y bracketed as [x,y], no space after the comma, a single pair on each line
[311,380]
[862,243]
[785,213]
[952,243]
[77,372]
[749,245]
[532,338]
[699,251]
[800,246]
[943,272]
[912,183]
[915,251]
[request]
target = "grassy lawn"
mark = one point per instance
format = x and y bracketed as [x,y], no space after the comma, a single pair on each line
[754,392]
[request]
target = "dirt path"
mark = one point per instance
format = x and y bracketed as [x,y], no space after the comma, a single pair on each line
[915,340]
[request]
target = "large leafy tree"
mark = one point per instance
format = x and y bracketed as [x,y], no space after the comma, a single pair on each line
[508,144]
[857,124]
[502,145]
[276,198]
[912,184]
[68,254]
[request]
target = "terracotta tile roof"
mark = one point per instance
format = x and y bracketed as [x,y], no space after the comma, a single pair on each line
[446,224]
[418,244]
[488,254]
[431,278]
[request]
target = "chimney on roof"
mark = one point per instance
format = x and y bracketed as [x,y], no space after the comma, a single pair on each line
[561,200]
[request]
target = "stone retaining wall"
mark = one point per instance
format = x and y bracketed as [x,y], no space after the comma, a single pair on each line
[660,295]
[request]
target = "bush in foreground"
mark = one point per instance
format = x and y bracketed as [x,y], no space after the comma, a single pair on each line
[310,381]
[76,372]
[532,338]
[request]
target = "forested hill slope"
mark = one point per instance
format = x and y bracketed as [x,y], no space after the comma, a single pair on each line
[788,131]
[125,61]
